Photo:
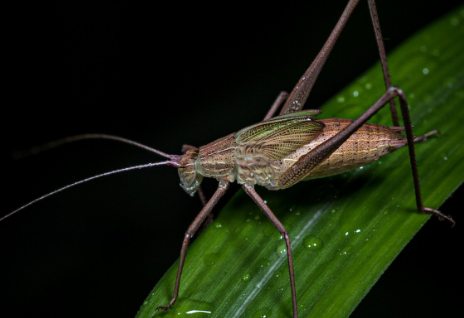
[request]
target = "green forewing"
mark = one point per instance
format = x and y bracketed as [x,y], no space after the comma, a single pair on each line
[264,127]
[279,136]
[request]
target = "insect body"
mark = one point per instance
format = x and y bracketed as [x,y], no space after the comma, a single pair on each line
[262,153]
[285,149]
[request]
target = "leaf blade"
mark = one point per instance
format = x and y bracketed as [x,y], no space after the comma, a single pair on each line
[243,274]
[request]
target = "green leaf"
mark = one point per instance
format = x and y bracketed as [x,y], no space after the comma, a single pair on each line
[347,229]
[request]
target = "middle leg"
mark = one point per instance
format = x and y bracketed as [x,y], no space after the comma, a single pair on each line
[249,189]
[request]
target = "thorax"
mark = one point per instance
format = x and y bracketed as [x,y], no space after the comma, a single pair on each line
[216,159]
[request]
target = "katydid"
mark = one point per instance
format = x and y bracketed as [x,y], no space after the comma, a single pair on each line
[283,150]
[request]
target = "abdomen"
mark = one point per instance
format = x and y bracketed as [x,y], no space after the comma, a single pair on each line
[367,144]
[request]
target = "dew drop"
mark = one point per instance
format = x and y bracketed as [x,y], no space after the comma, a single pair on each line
[190,312]
[261,314]
[345,251]
[192,308]
[312,243]
[288,227]
[368,85]
[218,225]
[246,277]
[355,93]
[341,99]
[425,71]
[281,250]
[264,263]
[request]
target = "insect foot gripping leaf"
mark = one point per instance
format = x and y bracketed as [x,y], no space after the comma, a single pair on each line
[345,230]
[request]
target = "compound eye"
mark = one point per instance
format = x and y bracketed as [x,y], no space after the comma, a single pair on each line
[189,178]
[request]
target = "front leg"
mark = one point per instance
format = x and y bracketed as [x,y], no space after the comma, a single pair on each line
[223,185]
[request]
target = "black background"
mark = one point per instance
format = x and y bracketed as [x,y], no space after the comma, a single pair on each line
[166,75]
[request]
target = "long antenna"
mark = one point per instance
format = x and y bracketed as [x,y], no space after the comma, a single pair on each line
[56,143]
[148,165]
